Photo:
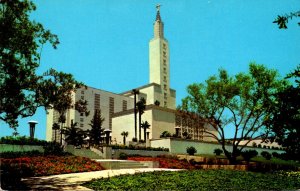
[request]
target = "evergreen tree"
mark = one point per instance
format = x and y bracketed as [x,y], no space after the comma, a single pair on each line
[96,131]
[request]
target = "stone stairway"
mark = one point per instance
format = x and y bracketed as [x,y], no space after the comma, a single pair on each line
[121,164]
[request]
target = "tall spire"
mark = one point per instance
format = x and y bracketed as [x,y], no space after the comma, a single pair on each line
[158,25]
[158,13]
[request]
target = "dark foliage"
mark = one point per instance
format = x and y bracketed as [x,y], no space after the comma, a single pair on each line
[248,154]
[191,150]
[266,155]
[21,140]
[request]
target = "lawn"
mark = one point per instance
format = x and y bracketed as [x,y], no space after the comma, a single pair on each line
[200,180]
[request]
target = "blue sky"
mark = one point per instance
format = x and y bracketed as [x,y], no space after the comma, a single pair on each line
[104,43]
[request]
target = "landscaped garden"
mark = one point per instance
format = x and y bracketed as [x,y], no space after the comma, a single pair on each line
[200,180]
[17,165]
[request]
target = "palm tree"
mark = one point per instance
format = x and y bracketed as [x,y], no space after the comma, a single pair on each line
[124,134]
[55,127]
[135,92]
[15,133]
[73,134]
[141,106]
[145,125]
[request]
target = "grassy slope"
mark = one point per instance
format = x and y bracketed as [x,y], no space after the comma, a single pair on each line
[198,180]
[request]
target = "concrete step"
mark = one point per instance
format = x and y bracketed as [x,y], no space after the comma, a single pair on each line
[122,164]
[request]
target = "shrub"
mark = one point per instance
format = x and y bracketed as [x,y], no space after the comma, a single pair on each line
[266,155]
[165,134]
[21,140]
[218,152]
[123,156]
[53,148]
[134,139]
[275,154]
[248,154]
[254,144]
[11,154]
[191,150]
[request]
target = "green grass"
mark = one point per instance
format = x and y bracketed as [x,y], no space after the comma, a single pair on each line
[276,161]
[199,180]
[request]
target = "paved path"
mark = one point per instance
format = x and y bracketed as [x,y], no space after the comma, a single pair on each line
[72,181]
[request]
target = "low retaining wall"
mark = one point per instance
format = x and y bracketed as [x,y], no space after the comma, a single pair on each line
[116,153]
[19,148]
[221,166]
[178,146]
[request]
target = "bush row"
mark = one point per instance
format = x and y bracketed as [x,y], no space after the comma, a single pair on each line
[132,147]
[22,140]
[51,148]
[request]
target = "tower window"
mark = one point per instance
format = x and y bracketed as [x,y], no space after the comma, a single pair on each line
[164,53]
[82,97]
[82,92]
[164,62]
[81,119]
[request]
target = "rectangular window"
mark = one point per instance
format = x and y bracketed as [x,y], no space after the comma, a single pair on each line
[82,92]
[81,125]
[81,119]
[82,97]
[97,102]
[164,53]
[165,87]
[81,114]
[111,110]
[164,62]
[124,105]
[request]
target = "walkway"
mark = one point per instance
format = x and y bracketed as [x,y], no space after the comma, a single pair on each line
[72,181]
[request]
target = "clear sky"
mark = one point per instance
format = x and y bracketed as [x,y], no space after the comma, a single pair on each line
[104,43]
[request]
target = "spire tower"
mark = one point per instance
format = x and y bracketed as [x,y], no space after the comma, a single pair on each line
[159,61]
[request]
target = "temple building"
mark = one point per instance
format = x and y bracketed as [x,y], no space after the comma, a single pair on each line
[119,109]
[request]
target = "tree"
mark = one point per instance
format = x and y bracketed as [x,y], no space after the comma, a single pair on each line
[73,134]
[124,134]
[55,127]
[141,106]
[96,131]
[21,44]
[282,21]
[135,92]
[286,117]
[145,125]
[240,103]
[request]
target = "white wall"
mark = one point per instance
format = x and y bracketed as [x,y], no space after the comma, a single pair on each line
[178,146]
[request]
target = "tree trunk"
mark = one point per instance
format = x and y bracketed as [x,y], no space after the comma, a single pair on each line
[135,128]
[124,140]
[140,134]
[230,156]
[55,131]
[145,134]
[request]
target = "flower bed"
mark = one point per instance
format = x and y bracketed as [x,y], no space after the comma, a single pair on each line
[48,165]
[165,162]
